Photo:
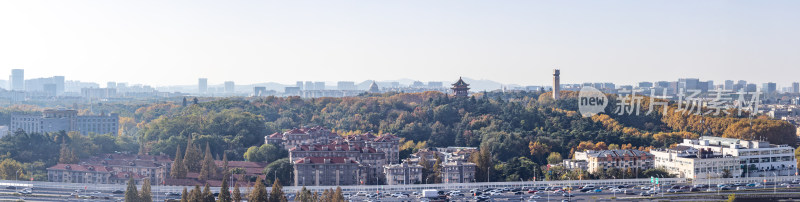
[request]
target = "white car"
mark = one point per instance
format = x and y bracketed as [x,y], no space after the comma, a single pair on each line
[361,193]
[534,197]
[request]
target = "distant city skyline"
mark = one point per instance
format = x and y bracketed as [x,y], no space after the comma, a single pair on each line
[515,42]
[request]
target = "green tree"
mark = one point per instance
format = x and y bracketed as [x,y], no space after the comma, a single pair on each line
[178,169]
[265,153]
[192,158]
[237,194]
[554,158]
[281,169]
[224,194]
[726,173]
[184,195]
[259,192]
[338,196]
[209,169]
[207,196]
[11,170]
[67,155]
[304,195]
[276,195]
[196,195]
[131,194]
[145,195]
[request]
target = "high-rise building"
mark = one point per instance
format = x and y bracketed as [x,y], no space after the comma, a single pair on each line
[728,84]
[319,85]
[299,85]
[229,87]
[202,85]
[259,91]
[346,85]
[556,84]
[111,84]
[795,87]
[435,84]
[689,83]
[768,87]
[309,86]
[17,79]
[645,84]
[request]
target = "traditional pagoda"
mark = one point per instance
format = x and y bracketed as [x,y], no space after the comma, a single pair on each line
[460,88]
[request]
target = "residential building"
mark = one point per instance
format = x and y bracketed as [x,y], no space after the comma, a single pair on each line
[113,169]
[572,164]
[386,143]
[301,136]
[600,161]
[688,162]
[458,172]
[326,171]
[364,155]
[75,173]
[403,173]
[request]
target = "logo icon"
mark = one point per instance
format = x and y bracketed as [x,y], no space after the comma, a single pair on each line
[591,101]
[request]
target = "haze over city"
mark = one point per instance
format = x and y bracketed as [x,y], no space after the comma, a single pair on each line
[515,42]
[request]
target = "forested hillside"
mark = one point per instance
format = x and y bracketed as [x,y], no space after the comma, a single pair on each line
[519,131]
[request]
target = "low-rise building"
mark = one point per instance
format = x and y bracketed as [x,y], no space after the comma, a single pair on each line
[756,158]
[601,160]
[458,172]
[326,171]
[572,164]
[403,173]
[387,143]
[76,173]
[688,162]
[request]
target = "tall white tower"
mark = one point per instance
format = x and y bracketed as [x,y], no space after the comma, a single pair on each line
[556,84]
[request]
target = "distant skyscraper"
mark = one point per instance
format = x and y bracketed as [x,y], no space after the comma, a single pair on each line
[259,91]
[689,83]
[768,87]
[645,84]
[728,84]
[111,84]
[751,87]
[17,79]
[319,85]
[299,85]
[229,87]
[59,81]
[796,87]
[556,84]
[346,85]
[309,85]
[202,85]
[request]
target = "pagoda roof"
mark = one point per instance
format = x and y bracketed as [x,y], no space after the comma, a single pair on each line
[460,82]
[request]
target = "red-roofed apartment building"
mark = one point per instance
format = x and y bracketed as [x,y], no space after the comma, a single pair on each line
[112,169]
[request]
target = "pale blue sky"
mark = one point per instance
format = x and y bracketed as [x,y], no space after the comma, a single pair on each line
[175,42]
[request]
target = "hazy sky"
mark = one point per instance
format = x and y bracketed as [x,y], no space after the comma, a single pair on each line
[175,42]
